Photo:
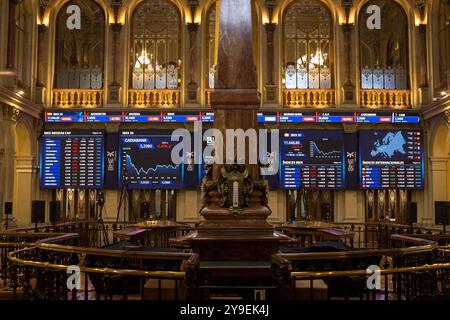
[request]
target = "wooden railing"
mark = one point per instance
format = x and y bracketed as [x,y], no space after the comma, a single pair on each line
[300,98]
[400,99]
[154,98]
[87,98]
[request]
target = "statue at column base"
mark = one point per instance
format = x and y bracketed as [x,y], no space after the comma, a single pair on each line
[235,204]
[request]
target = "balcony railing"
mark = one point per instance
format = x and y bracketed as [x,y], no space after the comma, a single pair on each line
[67,98]
[154,98]
[298,98]
[400,99]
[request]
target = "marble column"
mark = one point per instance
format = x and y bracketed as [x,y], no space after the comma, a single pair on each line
[235,98]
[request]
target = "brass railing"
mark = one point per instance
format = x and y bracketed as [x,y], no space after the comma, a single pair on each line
[154,98]
[68,98]
[400,99]
[208,93]
[299,98]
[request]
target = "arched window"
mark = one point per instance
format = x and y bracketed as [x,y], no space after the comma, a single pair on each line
[80,52]
[155,46]
[210,44]
[383,51]
[308,46]
[443,79]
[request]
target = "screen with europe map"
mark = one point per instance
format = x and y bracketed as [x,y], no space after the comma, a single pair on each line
[391,159]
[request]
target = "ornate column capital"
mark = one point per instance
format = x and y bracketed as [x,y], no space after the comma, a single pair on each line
[116,27]
[347,27]
[270,26]
[192,26]
[11,113]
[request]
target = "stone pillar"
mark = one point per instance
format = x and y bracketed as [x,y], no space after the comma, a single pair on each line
[270,85]
[23,193]
[10,55]
[439,176]
[422,66]
[348,87]
[41,63]
[10,115]
[192,72]
[114,87]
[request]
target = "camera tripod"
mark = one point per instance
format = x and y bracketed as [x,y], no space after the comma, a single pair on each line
[100,232]
[125,198]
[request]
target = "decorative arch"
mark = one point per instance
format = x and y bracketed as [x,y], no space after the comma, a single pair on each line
[337,11]
[54,7]
[308,49]
[440,38]
[23,140]
[408,6]
[155,50]
[129,6]
[384,54]
[440,134]
[80,54]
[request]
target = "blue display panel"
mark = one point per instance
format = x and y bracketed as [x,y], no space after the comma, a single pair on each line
[391,159]
[72,159]
[128,117]
[312,159]
[64,117]
[145,161]
[338,117]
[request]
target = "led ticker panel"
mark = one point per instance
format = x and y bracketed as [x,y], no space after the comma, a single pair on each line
[128,117]
[145,161]
[391,159]
[337,117]
[72,159]
[311,159]
[64,117]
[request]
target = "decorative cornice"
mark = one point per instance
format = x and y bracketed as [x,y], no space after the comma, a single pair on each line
[10,98]
[436,107]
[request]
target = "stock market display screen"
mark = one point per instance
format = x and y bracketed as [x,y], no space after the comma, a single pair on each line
[72,159]
[391,159]
[312,159]
[146,163]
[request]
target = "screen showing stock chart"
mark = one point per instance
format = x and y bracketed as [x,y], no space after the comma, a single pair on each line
[145,161]
[312,159]
[72,159]
[391,159]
